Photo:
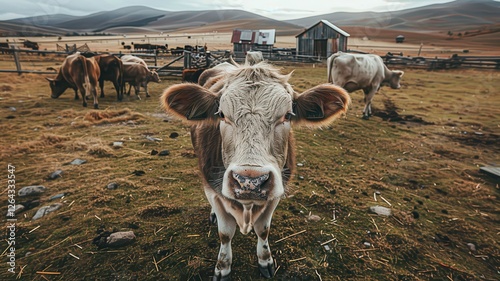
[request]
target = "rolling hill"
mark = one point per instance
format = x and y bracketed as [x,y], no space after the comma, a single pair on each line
[456,16]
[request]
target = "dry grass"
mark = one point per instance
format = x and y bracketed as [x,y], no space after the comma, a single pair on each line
[427,171]
[111,116]
[43,142]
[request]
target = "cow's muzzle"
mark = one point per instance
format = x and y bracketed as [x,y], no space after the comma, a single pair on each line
[248,185]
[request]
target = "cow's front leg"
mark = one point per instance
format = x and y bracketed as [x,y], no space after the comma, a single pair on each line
[101,86]
[227,227]
[369,93]
[261,228]
[96,102]
[119,92]
[146,88]
[76,94]
[137,90]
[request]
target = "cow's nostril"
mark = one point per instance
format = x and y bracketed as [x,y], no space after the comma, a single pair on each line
[250,183]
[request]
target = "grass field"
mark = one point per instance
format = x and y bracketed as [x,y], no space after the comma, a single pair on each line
[424,161]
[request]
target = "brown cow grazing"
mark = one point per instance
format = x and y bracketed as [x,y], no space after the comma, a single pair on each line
[241,133]
[138,75]
[152,77]
[111,70]
[78,73]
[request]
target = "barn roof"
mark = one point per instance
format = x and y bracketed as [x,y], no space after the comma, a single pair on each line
[329,24]
[259,37]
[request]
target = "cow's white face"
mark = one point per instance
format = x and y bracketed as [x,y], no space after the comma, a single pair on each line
[255,129]
[395,79]
[243,134]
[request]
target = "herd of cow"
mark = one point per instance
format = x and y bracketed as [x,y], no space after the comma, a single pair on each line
[241,118]
[83,73]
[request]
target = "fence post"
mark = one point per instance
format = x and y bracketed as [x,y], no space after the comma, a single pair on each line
[16,60]
[187,59]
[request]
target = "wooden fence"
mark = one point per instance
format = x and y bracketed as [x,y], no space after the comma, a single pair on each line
[454,62]
[187,59]
[191,60]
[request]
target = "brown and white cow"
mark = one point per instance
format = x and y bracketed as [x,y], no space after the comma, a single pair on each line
[241,132]
[365,72]
[78,73]
[111,70]
[153,75]
[138,75]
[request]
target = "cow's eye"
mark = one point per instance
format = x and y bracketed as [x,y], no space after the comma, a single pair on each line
[286,118]
[221,114]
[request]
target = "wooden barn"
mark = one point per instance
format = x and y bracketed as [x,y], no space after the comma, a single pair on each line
[321,40]
[255,40]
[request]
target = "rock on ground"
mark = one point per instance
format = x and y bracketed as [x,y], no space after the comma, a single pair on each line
[46,210]
[379,210]
[122,238]
[31,190]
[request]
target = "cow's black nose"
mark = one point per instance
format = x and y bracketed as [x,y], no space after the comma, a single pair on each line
[250,183]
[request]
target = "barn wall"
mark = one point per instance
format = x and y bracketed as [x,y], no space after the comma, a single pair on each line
[305,41]
[240,50]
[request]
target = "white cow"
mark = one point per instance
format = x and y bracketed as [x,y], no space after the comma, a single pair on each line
[241,133]
[365,72]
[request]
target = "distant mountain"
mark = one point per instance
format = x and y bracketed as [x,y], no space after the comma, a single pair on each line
[460,15]
[140,19]
[456,16]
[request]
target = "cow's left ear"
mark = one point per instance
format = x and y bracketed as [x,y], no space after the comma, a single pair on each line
[190,102]
[399,73]
[320,105]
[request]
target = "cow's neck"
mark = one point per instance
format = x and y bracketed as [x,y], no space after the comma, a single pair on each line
[387,74]
[247,224]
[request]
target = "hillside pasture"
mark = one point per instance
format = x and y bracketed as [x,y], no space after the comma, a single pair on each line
[419,155]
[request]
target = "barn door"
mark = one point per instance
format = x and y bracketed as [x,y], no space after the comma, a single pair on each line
[320,47]
[335,45]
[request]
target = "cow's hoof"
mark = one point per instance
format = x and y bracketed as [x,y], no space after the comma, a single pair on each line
[267,271]
[138,97]
[77,98]
[366,117]
[212,219]
[85,105]
[96,106]
[102,95]
[147,96]
[221,278]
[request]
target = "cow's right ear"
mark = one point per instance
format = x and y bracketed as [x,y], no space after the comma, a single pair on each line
[190,102]
[50,79]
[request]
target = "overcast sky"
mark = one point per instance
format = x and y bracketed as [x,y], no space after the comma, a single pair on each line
[280,10]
